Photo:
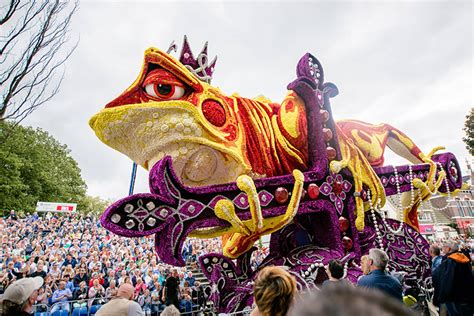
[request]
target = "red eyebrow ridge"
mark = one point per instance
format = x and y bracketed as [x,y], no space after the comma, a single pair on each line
[162,75]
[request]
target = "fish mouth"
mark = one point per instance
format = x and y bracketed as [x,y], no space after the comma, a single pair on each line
[199,164]
[148,132]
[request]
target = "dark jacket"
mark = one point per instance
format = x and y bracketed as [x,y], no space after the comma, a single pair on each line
[197,295]
[72,262]
[453,280]
[386,283]
[80,294]
[78,279]
[38,273]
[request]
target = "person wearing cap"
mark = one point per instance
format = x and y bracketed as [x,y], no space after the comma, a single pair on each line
[123,304]
[20,297]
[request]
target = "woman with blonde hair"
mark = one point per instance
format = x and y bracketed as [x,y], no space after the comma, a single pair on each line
[97,293]
[69,271]
[274,291]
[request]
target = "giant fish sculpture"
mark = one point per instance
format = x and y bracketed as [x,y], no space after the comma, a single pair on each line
[242,168]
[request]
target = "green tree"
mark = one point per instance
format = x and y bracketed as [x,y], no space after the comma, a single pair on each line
[36,167]
[469,129]
[93,205]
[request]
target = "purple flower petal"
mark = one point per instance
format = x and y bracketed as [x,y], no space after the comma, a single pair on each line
[325,188]
[346,186]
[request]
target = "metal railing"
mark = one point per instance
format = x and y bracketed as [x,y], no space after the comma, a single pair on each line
[86,308]
[85,304]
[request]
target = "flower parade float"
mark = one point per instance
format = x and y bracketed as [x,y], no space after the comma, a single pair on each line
[242,168]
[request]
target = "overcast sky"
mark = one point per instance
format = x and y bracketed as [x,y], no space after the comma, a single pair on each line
[404,63]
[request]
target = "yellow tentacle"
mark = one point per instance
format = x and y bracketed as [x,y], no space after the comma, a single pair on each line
[246,184]
[225,210]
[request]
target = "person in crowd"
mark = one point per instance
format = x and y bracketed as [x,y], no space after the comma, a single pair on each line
[190,278]
[55,271]
[20,296]
[42,299]
[112,290]
[149,277]
[39,270]
[453,282]
[69,261]
[340,299]
[128,280]
[274,292]
[123,275]
[68,270]
[170,311]
[12,274]
[364,264]
[96,270]
[162,277]
[378,278]
[171,289]
[80,295]
[110,277]
[49,286]
[436,258]
[139,286]
[186,301]
[144,300]
[466,250]
[69,284]
[61,297]
[151,284]
[135,276]
[13,215]
[95,276]
[123,304]
[81,277]
[335,272]
[24,272]
[96,293]
[181,278]
[157,304]
[197,295]
[4,281]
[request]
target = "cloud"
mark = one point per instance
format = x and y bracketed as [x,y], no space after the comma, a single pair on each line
[407,64]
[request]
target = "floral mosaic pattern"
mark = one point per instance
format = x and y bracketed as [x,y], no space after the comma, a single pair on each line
[336,188]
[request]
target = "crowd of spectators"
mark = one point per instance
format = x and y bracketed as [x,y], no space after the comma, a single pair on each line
[83,265]
[82,262]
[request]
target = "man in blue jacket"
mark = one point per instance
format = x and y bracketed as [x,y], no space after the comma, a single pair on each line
[378,278]
[69,260]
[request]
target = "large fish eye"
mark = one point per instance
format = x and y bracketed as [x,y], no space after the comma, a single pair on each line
[164,91]
[160,84]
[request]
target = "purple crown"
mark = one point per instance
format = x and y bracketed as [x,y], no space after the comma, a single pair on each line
[199,66]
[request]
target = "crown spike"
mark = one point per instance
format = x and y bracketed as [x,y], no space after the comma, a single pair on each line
[204,49]
[199,66]
[173,47]
[211,67]
[186,56]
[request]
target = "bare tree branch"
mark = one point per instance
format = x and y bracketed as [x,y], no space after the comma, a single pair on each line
[32,51]
[10,9]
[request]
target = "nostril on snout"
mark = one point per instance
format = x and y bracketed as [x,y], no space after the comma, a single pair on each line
[213,112]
